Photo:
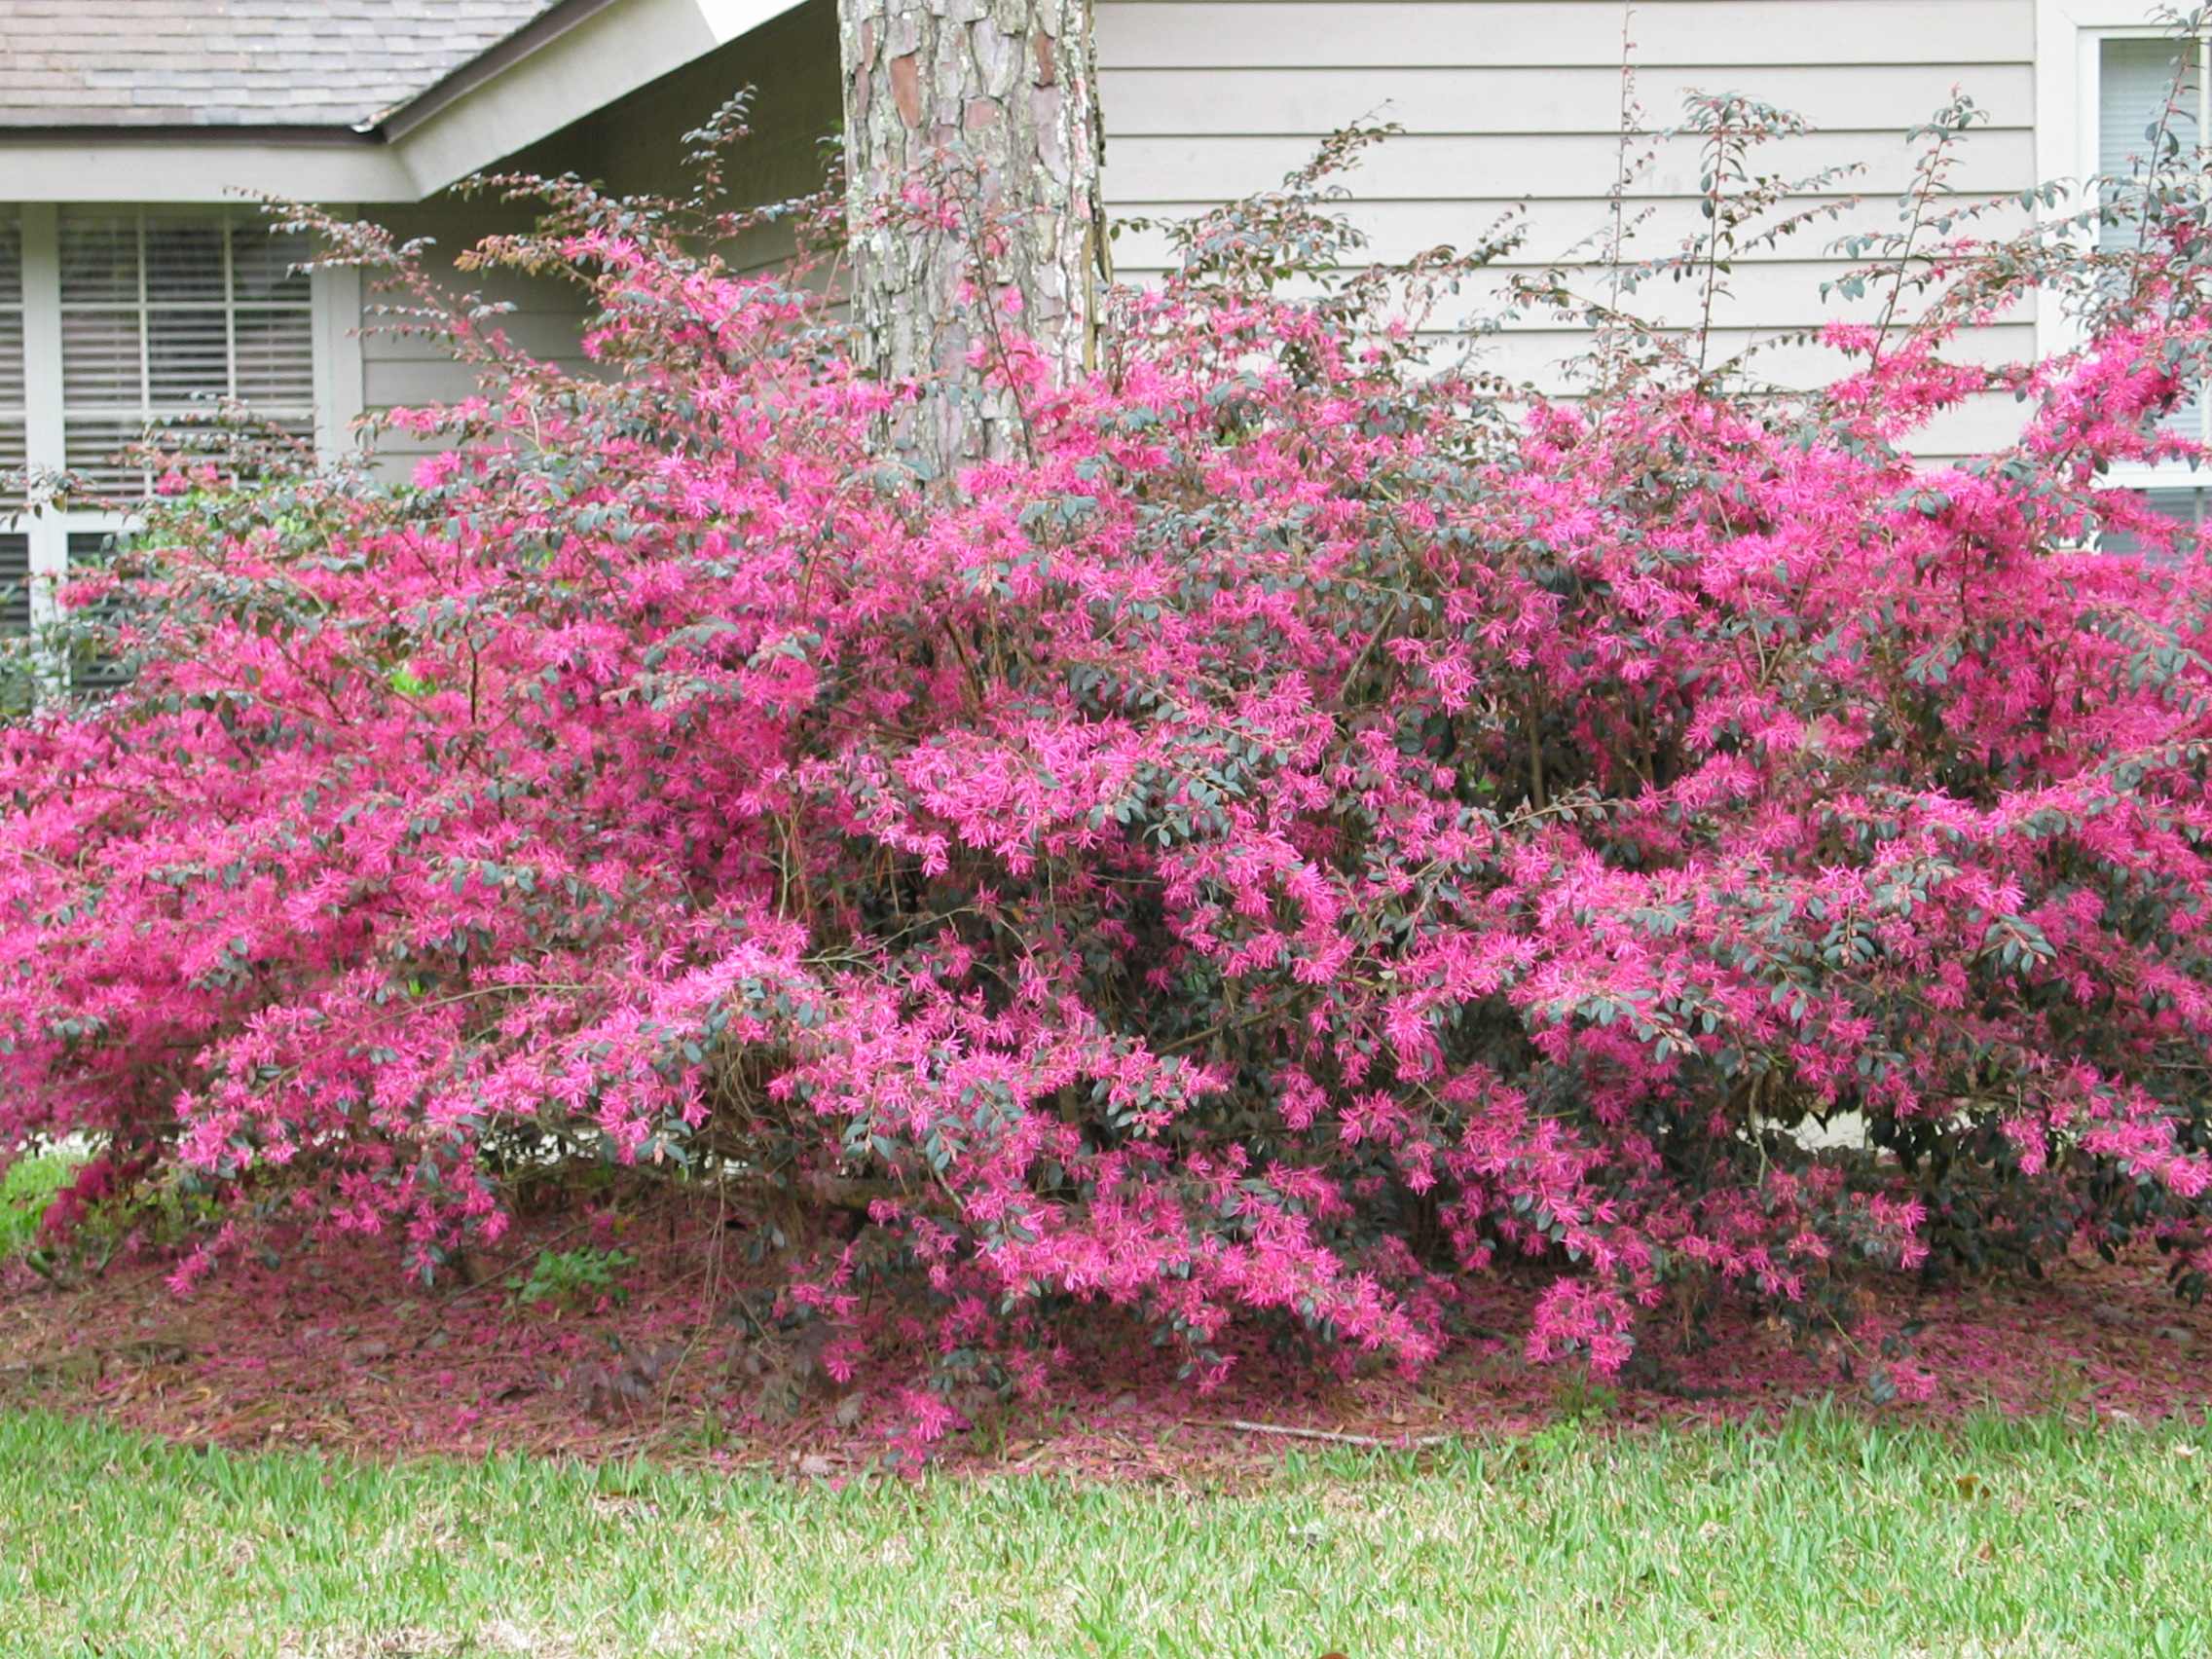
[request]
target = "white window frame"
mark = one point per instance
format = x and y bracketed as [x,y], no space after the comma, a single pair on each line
[2070,36]
[335,314]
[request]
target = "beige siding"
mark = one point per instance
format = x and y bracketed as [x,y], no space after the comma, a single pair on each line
[403,369]
[1507,103]
[1492,98]
[1549,34]
[1556,167]
[1518,101]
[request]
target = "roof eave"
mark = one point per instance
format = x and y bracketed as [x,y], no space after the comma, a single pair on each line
[495,60]
[199,165]
[336,134]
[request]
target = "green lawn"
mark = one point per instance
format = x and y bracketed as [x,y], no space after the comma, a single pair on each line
[1830,1535]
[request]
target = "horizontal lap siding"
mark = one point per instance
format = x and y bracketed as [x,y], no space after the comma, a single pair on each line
[409,370]
[1505,102]
[1508,101]
[1156,102]
[1543,35]
[1424,166]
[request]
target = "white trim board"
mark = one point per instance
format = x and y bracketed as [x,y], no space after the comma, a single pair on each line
[42,401]
[339,382]
[165,170]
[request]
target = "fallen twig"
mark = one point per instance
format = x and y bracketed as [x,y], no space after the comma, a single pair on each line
[1242,1426]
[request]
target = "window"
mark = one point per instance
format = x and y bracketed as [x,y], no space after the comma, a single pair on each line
[92,670]
[2135,76]
[2148,88]
[117,320]
[161,316]
[2145,85]
[15,583]
[2104,72]
[15,684]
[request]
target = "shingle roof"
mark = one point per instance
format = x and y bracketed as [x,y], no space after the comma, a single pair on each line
[334,64]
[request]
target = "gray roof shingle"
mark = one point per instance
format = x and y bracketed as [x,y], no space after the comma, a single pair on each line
[96,64]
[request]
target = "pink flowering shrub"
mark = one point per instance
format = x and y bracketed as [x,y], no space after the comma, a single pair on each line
[1305,831]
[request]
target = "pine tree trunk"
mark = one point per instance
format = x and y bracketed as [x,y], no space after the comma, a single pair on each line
[1005,91]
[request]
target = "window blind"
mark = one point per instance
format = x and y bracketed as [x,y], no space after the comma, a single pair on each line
[163,315]
[2185,506]
[2135,81]
[91,672]
[15,584]
[18,687]
[13,423]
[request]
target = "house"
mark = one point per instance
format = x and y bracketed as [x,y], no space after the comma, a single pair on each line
[133,279]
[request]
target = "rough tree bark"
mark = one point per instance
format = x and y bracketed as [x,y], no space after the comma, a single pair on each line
[1006,91]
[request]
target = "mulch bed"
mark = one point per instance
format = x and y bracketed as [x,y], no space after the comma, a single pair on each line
[338,1350]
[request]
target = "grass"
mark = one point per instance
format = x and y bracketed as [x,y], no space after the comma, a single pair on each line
[25,1190]
[1829,1534]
